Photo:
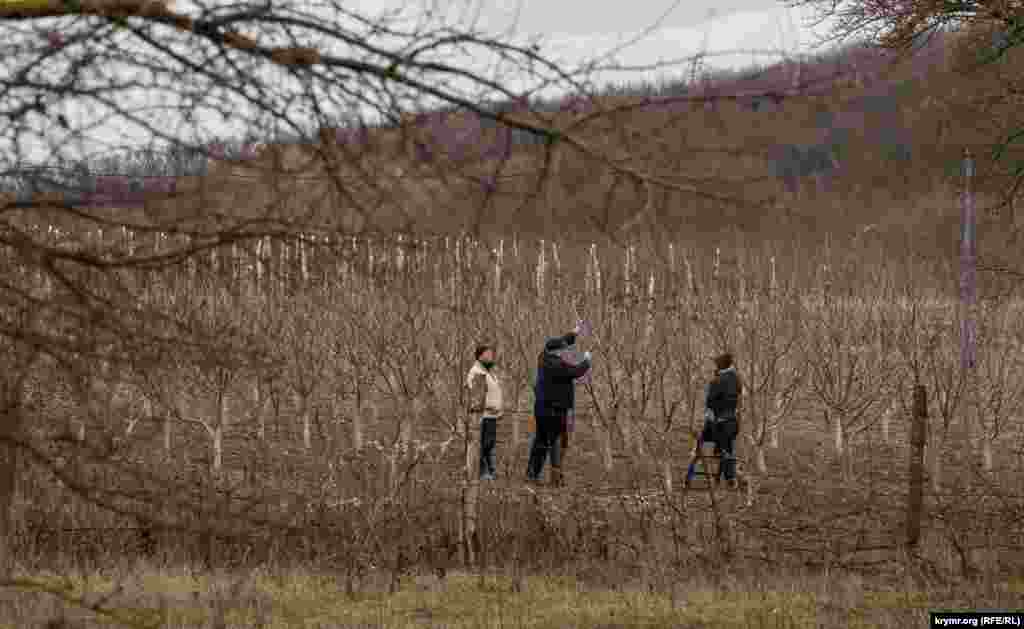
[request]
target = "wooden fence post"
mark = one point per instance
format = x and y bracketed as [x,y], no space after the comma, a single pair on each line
[915,498]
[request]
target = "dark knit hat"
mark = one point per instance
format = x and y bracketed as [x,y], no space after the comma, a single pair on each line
[555,343]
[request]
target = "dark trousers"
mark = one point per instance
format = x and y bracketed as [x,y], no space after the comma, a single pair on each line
[723,435]
[488,444]
[549,431]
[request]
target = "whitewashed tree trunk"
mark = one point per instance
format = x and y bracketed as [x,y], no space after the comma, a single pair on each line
[146,413]
[304,261]
[886,421]
[261,415]
[407,420]
[368,408]
[167,434]
[986,454]
[666,471]
[218,448]
[223,418]
[762,464]
[607,457]
[691,285]
[393,456]
[837,435]
[305,416]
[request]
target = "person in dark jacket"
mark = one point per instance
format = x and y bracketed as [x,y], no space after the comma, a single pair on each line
[556,394]
[721,424]
[555,454]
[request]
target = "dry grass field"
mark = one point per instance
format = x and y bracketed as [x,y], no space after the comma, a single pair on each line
[156,597]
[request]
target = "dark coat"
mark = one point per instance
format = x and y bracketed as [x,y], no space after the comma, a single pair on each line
[556,375]
[724,394]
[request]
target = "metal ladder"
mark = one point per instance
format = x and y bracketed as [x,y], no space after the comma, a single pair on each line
[700,464]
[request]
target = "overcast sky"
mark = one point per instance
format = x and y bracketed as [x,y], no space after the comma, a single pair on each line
[572,31]
[578,29]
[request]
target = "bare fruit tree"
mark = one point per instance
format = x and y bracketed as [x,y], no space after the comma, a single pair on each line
[1001,391]
[847,378]
[773,372]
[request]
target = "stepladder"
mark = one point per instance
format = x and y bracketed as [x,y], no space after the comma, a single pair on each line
[704,471]
[704,467]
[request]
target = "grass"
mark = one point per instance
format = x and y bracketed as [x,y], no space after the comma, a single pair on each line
[302,600]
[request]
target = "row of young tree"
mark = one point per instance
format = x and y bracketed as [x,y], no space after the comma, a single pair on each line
[321,313]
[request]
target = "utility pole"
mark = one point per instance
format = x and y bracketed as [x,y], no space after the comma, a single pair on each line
[969,296]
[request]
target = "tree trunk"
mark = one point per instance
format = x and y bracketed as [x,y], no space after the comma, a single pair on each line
[8,485]
[986,454]
[837,435]
[773,436]
[261,416]
[516,434]
[357,423]
[762,464]
[935,454]
[606,448]
[407,419]
[147,412]
[915,488]
[8,475]
[218,433]
[886,418]
[472,449]
[218,448]
[167,434]
[304,415]
[625,434]
[470,496]
[393,457]
[666,470]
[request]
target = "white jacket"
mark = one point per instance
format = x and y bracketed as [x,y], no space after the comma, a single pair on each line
[493,402]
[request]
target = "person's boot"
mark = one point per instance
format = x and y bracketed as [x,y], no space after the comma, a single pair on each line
[556,476]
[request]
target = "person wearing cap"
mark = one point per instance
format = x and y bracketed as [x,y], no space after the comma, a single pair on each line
[555,396]
[721,415]
[485,399]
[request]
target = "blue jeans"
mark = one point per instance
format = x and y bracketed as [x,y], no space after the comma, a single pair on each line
[723,435]
[549,431]
[488,444]
[554,454]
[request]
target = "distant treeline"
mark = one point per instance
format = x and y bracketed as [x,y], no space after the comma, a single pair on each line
[128,178]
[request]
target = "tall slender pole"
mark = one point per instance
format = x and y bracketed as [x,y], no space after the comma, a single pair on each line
[968,287]
[968,269]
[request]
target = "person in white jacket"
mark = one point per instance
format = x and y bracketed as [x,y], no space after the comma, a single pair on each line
[485,399]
